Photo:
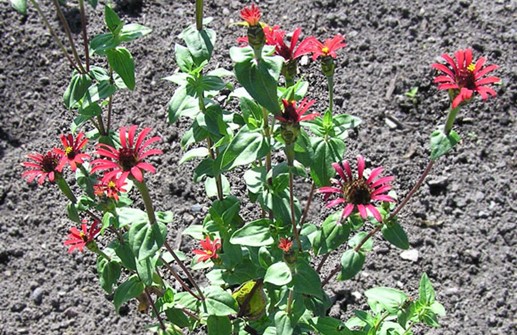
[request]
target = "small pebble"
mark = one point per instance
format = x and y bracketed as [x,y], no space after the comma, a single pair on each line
[410,255]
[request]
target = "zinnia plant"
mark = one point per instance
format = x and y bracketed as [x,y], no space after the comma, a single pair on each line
[262,271]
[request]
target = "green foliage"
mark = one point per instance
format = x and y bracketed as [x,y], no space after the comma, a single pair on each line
[128,290]
[395,234]
[109,273]
[254,234]
[442,144]
[278,274]
[351,263]
[122,63]
[20,6]
[219,302]
[146,239]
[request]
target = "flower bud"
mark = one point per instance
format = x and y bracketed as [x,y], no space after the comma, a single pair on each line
[328,66]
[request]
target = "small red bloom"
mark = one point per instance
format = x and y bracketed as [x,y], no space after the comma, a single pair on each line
[209,249]
[328,48]
[294,115]
[72,153]
[251,15]
[358,193]
[44,166]
[78,239]
[129,158]
[466,76]
[292,51]
[285,244]
[110,188]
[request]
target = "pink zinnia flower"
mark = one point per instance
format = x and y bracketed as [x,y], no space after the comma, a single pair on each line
[72,153]
[285,244]
[466,76]
[42,167]
[110,188]
[209,249]
[328,48]
[251,15]
[358,193]
[78,239]
[129,158]
[295,115]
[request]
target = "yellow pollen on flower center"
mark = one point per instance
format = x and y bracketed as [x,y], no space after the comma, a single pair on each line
[471,67]
[325,50]
[111,184]
[209,252]
[68,150]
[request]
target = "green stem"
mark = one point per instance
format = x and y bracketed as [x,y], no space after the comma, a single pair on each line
[148,203]
[69,35]
[290,299]
[84,24]
[453,112]
[110,107]
[199,15]
[65,188]
[290,163]
[330,82]
[54,35]
[267,135]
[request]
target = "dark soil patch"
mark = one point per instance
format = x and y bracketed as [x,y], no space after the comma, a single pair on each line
[463,224]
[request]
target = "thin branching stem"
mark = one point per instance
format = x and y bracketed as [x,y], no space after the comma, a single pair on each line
[84,25]
[153,306]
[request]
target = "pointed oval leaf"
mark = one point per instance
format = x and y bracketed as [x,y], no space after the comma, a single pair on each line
[219,302]
[128,290]
[351,263]
[121,60]
[20,6]
[246,147]
[254,234]
[146,239]
[442,144]
[278,274]
[133,31]
[391,299]
[395,234]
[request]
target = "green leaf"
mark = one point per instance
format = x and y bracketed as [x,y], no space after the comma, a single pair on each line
[332,235]
[259,79]
[254,234]
[183,58]
[20,6]
[122,62]
[77,88]
[219,325]
[366,247]
[145,269]
[72,212]
[351,263]
[182,104]
[200,43]
[124,252]
[212,83]
[251,112]
[103,42]
[283,324]
[177,317]
[391,299]
[395,234]
[97,92]
[278,274]
[326,152]
[246,147]
[128,290]
[438,309]
[93,3]
[426,292]
[146,239]
[129,216]
[429,318]
[329,326]
[219,302]
[201,152]
[112,20]
[133,31]
[109,273]
[442,144]
[211,186]
[306,280]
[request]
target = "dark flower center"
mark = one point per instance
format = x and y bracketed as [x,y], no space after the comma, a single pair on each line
[49,163]
[466,78]
[127,158]
[289,113]
[70,152]
[357,192]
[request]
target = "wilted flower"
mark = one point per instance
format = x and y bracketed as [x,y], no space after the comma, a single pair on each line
[78,239]
[465,77]
[358,193]
[129,158]
[42,167]
[209,249]
[72,151]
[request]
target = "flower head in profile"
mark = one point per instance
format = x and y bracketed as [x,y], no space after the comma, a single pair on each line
[208,249]
[251,15]
[110,188]
[293,51]
[129,158]
[71,153]
[78,239]
[358,193]
[295,114]
[285,244]
[41,167]
[328,48]
[465,76]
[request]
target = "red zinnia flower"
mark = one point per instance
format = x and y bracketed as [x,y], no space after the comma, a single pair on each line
[358,193]
[466,76]
[328,48]
[128,159]
[77,239]
[285,244]
[209,249]
[72,153]
[110,188]
[290,52]
[294,115]
[43,166]
[251,15]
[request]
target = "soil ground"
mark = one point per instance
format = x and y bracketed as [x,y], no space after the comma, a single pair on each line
[462,223]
